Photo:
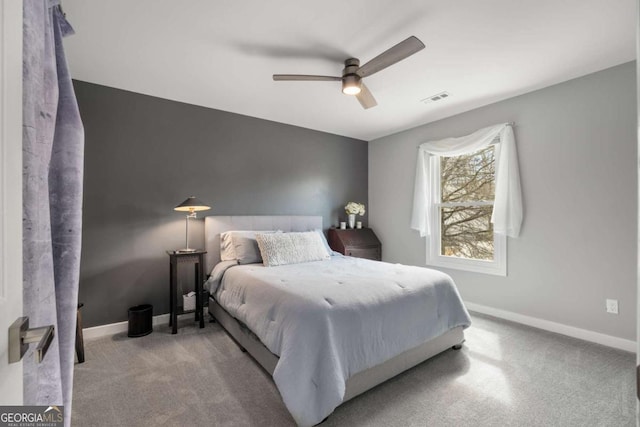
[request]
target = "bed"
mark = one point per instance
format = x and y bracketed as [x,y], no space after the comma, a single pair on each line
[331,329]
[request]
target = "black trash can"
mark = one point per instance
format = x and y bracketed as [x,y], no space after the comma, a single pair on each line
[140,320]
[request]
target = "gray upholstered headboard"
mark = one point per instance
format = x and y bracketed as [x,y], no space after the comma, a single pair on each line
[214,225]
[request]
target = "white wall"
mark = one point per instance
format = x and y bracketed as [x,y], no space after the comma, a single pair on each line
[578,156]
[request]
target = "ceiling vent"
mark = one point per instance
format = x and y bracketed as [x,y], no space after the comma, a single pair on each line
[437,97]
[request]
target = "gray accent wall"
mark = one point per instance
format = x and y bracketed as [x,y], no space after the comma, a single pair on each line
[144,155]
[578,162]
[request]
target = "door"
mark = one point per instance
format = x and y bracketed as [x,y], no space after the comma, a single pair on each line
[10,192]
[638,246]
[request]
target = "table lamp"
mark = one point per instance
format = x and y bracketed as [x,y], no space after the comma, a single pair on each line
[191,205]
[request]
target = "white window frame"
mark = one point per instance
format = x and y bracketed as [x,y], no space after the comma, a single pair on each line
[496,267]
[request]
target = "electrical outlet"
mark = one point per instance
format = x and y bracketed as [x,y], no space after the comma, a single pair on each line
[612,306]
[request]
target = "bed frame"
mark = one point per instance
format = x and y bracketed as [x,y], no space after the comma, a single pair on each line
[249,342]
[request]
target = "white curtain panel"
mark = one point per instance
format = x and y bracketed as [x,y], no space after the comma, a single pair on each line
[507,209]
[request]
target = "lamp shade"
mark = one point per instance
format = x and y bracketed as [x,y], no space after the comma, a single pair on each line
[191,205]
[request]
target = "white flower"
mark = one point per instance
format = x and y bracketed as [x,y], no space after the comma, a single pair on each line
[354,208]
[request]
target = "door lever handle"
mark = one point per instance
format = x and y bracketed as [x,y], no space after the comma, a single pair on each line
[20,336]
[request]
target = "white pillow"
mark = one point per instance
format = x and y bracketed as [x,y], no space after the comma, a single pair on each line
[227,249]
[291,248]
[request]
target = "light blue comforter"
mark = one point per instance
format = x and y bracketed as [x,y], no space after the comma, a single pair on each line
[328,320]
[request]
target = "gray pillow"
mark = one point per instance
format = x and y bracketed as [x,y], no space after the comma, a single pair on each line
[324,241]
[291,248]
[227,248]
[246,248]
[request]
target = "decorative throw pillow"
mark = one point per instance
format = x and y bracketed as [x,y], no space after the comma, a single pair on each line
[291,248]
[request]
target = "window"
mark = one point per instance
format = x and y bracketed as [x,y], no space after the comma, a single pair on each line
[461,184]
[463,192]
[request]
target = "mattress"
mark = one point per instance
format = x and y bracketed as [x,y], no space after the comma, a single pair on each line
[329,320]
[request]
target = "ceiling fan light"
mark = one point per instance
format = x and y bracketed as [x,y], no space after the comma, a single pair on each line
[351,90]
[351,84]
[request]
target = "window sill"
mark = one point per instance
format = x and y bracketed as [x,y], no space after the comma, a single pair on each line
[477,266]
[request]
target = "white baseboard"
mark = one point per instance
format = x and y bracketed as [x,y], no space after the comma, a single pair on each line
[559,328]
[116,328]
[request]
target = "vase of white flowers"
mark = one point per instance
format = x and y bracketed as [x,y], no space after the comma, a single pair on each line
[352,209]
[352,220]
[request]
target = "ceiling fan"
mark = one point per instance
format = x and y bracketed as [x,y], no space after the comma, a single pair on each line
[353,73]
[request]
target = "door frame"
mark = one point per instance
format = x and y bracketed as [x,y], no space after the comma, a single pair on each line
[11,18]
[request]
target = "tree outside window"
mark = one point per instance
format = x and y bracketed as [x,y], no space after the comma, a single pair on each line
[467,189]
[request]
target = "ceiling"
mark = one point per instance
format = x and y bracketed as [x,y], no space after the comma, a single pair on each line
[221,54]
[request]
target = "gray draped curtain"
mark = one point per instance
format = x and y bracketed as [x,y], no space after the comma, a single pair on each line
[53,152]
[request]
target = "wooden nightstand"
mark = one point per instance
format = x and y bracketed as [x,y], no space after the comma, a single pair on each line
[360,243]
[197,259]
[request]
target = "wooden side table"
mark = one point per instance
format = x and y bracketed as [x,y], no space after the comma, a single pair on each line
[360,243]
[197,259]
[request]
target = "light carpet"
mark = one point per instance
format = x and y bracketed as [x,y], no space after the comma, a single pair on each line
[505,375]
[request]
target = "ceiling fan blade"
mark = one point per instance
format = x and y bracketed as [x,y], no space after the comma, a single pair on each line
[304,77]
[397,53]
[366,98]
